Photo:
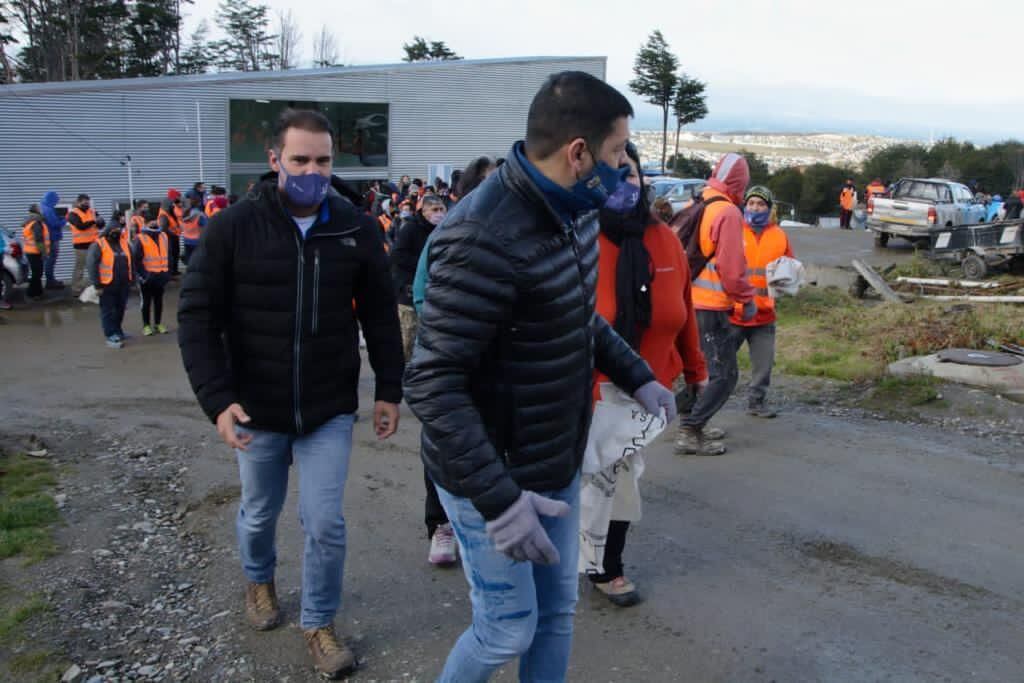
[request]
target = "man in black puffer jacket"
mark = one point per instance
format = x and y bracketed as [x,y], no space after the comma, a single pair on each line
[502,368]
[270,339]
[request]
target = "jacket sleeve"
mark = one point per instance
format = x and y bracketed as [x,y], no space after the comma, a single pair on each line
[727,234]
[472,291]
[403,260]
[688,340]
[378,317]
[75,221]
[203,316]
[614,358]
[92,264]
[419,281]
[39,238]
[137,259]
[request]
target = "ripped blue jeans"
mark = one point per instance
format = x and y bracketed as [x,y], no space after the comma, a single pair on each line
[519,609]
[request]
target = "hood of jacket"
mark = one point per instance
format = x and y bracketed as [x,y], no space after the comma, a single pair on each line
[731,176]
[50,199]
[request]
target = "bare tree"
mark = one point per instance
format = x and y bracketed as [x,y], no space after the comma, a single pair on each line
[325,49]
[289,52]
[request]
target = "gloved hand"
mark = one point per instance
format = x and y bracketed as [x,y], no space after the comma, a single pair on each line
[518,533]
[749,311]
[653,397]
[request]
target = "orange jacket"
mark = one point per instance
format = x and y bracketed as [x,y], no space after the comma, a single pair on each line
[28,237]
[107,256]
[671,345]
[723,281]
[847,198]
[761,250]
[83,226]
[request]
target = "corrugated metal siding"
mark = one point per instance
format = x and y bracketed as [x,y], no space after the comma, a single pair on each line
[72,139]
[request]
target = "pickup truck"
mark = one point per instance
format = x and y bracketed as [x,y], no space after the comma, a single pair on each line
[919,205]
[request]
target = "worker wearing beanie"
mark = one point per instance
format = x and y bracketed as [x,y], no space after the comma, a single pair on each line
[763,241]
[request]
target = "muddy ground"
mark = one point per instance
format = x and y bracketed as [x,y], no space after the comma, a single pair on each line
[828,545]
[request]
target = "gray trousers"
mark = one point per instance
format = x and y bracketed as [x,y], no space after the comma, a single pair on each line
[761,340]
[718,343]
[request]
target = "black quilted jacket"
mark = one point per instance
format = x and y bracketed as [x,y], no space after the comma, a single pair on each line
[266,318]
[507,343]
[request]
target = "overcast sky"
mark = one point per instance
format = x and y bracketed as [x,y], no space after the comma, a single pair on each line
[952,68]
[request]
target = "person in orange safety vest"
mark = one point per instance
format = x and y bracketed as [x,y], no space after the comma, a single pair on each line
[110,271]
[84,230]
[763,241]
[847,201]
[152,261]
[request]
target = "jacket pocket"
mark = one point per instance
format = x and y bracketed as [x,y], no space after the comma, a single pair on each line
[316,291]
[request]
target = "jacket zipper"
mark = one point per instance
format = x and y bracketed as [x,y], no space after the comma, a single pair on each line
[316,290]
[587,324]
[298,335]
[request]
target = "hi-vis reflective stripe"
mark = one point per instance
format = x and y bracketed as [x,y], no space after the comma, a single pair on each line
[708,284]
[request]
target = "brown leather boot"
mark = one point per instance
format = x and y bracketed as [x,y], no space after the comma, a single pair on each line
[331,658]
[261,609]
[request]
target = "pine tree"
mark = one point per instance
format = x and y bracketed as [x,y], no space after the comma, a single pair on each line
[6,38]
[199,57]
[689,104]
[421,51]
[655,69]
[249,45]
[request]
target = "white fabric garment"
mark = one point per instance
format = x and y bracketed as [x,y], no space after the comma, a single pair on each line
[304,223]
[786,275]
[89,295]
[612,466]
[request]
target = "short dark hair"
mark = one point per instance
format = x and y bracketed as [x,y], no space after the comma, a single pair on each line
[303,119]
[473,175]
[570,105]
[140,203]
[81,197]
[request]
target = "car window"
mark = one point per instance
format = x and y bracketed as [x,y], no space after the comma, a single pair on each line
[914,189]
[680,191]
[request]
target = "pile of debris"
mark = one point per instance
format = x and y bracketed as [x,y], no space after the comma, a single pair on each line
[907,289]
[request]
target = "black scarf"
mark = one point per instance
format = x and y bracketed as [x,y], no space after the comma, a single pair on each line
[633,272]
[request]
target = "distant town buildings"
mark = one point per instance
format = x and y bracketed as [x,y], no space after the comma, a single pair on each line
[776,150]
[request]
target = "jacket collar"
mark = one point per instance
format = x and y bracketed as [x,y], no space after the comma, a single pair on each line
[515,174]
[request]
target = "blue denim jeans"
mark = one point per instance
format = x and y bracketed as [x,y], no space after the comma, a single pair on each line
[520,609]
[322,462]
[51,261]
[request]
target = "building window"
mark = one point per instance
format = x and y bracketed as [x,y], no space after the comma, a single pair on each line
[362,131]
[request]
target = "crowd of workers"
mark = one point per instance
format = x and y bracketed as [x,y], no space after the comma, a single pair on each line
[496,306]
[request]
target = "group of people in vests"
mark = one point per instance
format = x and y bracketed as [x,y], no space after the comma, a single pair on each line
[142,247]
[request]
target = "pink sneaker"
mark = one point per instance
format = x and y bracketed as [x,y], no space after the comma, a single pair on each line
[443,550]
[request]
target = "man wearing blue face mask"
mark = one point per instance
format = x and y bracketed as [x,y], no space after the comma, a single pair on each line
[763,242]
[269,337]
[501,370]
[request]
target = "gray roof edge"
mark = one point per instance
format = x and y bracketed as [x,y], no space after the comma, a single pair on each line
[249,76]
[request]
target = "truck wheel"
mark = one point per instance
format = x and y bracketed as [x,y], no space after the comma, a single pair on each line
[974,267]
[881,239]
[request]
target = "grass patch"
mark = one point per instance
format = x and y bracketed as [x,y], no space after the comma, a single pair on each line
[26,508]
[902,392]
[824,332]
[11,620]
[35,662]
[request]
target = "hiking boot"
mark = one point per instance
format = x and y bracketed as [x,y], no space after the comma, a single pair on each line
[161,329]
[55,284]
[620,592]
[261,609]
[331,658]
[147,331]
[713,433]
[761,410]
[443,550]
[695,441]
[115,343]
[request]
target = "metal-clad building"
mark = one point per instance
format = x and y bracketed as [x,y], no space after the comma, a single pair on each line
[393,120]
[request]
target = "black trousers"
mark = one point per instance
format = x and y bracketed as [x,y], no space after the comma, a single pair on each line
[35,278]
[189,250]
[434,514]
[173,251]
[613,547]
[152,299]
[112,304]
[844,218]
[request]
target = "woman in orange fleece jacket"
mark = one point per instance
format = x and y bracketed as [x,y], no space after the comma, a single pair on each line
[643,290]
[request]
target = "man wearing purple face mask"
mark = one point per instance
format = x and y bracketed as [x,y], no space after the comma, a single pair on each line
[269,338]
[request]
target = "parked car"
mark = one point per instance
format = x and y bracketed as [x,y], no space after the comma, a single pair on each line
[678,191]
[12,269]
[918,206]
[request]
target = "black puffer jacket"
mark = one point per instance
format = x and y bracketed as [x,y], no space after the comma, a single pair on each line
[412,236]
[266,317]
[504,359]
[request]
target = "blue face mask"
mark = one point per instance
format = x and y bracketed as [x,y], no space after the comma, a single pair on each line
[624,199]
[304,190]
[757,219]
[594,189]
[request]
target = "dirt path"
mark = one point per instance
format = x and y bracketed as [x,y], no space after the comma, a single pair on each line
[823,548]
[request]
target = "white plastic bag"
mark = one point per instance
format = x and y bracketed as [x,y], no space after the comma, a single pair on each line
[612,466]
[89,295]
[786,275]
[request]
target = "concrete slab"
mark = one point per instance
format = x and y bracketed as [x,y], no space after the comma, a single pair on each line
[1007,380]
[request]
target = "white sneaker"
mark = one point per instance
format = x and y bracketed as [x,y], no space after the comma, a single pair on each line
[443,550]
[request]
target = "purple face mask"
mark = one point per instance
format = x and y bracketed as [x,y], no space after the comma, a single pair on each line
[624,198]
[304,190]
